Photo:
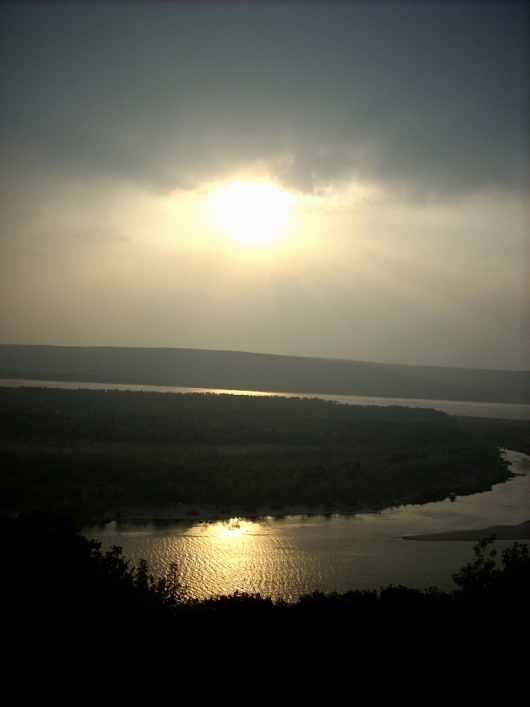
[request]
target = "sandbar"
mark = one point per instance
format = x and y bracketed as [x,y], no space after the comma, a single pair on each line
[501,532]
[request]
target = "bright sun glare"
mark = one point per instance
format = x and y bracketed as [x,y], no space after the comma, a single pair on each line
[252,212]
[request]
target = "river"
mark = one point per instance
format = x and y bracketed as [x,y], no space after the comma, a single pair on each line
[293,555]
[507,411]
[289,556]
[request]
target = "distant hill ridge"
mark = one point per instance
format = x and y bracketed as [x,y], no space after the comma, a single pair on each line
[237,370]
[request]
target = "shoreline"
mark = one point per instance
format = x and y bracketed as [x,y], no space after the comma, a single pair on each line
[191,513]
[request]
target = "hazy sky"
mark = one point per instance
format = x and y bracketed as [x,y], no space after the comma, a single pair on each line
[347,180]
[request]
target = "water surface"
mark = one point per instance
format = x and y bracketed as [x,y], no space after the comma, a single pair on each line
[507,411]
[286,557]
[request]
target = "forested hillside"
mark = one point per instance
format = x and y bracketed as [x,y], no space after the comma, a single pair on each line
[238,370]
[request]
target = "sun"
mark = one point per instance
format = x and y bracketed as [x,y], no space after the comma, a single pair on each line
[253,212]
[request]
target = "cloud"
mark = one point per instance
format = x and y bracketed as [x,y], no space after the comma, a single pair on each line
[409,119]
[423,99]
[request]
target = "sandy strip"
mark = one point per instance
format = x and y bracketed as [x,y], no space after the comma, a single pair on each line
[501,532]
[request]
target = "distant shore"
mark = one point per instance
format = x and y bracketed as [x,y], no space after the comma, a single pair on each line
[268,373]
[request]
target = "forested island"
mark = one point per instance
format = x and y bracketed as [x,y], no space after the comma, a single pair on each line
[95,454]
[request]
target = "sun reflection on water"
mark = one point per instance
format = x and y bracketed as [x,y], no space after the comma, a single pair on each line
[232,528]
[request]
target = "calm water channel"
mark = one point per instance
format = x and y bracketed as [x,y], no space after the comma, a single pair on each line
[286,557]
[451,407]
